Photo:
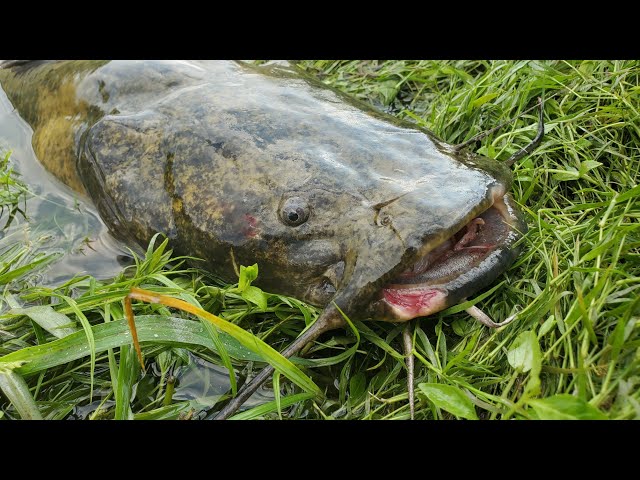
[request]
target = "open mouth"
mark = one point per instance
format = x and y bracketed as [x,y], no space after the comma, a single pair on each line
[465,262]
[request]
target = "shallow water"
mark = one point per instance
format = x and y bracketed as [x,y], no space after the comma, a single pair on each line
[58,219]
[203,383]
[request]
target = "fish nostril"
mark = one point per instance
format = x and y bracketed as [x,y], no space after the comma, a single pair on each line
[333,274]
[328,287]
[321,293]
[383,220]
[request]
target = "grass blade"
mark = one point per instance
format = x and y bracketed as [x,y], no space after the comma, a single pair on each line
[128,370]
[53,322]
[151,328]
[16,390]
[565,407]
[86,326]
[253,343]
[449,398]
[272,406]
[168,412]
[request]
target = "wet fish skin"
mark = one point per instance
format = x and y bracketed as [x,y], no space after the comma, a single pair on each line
[208,153]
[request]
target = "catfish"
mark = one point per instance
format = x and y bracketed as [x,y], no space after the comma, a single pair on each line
[341,206]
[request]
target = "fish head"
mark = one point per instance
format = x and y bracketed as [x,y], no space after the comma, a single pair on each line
[423,235]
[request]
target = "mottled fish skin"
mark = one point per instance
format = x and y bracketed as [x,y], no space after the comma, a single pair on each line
[210,152]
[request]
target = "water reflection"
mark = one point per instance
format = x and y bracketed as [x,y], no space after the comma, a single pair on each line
[57,218]
[203,383]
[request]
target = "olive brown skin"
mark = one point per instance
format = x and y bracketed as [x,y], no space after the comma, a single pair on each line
[263,164]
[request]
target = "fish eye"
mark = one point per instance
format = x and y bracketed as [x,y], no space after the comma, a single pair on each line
[294,211]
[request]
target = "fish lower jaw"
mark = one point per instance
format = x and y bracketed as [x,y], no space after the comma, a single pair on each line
[403,304]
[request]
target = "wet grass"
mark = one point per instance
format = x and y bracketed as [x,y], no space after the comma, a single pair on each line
[572,352]
[13,192]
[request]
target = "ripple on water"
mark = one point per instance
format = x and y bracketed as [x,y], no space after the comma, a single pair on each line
[58,219]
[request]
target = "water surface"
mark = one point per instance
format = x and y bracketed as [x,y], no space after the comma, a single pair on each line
[58,220]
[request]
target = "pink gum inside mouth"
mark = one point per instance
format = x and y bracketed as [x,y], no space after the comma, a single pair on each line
[408,303]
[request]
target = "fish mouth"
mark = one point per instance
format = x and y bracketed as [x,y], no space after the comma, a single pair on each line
[471,259]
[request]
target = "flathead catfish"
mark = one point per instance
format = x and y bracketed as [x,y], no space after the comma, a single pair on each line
[339,204]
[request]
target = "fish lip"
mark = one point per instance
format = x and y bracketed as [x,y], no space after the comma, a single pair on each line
[399,302]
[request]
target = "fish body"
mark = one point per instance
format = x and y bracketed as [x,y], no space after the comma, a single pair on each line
[338,203]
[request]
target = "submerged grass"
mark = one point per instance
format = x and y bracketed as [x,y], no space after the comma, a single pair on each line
[572,352]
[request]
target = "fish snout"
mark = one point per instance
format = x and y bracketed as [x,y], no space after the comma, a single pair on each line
[454,263]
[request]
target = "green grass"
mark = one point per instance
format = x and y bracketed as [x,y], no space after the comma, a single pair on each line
[572,352]
[13,192]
